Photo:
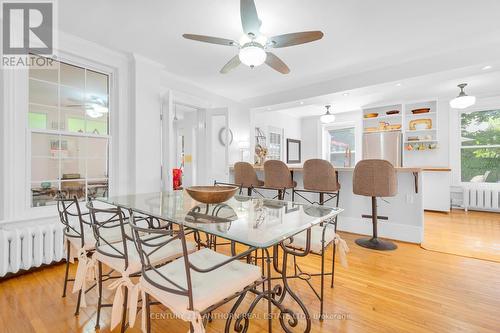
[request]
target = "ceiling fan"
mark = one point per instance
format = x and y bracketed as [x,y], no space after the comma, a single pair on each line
[255,48]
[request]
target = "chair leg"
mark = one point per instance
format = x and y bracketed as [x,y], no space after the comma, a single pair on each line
[77,312]
[67,269]
[124,315]
[322,291]
[148,314]
[334,247]
[99,300]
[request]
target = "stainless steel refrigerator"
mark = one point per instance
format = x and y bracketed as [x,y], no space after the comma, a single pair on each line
[385,146]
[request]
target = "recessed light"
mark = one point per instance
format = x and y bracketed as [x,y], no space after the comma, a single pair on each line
[301,102]
[268,109]
[399,84]
[485,68]
[345,94]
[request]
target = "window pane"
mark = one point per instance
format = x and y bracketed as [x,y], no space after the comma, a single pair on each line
[98,188]
[43,193]
[43,145]
[97,148]
[481,128]
[76,146]
[42,117]
[72,76]
[43,93]
[72,188]
[44,168]
[97,168]
[480,165]
[97,101]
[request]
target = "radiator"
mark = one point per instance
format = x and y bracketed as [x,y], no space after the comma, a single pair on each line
[25,246]
[481,196]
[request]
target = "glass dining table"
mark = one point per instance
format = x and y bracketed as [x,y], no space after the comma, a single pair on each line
[265,225]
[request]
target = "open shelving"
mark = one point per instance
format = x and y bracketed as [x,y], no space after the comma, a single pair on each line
[427,138]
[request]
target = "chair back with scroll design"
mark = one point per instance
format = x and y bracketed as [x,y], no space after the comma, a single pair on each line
[72,218]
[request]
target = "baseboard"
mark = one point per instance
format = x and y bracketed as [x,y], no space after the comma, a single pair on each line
[391,230]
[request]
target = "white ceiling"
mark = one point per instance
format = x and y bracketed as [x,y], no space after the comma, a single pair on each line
[443,86]
[359,35]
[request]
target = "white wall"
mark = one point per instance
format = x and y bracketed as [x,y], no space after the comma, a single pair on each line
[313,133]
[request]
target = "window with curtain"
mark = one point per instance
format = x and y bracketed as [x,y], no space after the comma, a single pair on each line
[480,146]
[341,145]
[68,125]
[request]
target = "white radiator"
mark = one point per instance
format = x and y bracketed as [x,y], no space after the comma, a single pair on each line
[482,196]
[24,246]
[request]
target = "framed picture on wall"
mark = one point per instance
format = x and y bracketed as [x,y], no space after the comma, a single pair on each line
[293,154]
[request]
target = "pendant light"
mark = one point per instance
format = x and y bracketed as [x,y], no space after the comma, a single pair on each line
[463,100]
[327,117]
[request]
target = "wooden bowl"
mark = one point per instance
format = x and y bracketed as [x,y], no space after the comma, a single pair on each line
[211,194]
[371,115]
[392,112]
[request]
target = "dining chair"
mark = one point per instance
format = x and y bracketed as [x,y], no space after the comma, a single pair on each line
[277,177]
[246,177]
[320,238]
[193,285]
[80,243]
[123,257]
[319,177]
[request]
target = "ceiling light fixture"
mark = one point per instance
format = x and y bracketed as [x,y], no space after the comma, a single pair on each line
[252,54]
[399,84]
[345,94]
[463,100]
[485,68]
[327,117]
[301,102]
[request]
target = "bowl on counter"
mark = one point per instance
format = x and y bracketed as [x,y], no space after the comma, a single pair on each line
[420,111]
[392,112]
[211,194]
[371,115]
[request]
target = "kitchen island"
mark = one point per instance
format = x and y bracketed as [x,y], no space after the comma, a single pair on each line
[404,212]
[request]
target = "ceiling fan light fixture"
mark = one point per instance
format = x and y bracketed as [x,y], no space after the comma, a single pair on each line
[327,118]
[252,55]
[463,100]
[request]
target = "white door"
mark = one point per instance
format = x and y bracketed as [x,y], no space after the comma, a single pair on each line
[218,138]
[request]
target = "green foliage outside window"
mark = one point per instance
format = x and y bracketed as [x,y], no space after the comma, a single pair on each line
[480,152]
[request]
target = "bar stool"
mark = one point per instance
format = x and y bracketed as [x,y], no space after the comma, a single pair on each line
[319,177]
[246,177]
[375,178]
[277,176]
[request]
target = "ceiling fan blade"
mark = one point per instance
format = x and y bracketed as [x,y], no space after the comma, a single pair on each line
[276,63]
[295,38]
[211,40]
[231,64]
[249,17]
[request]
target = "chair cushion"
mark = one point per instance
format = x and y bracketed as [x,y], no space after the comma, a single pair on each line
[164,254]
[208,288]
[299,240]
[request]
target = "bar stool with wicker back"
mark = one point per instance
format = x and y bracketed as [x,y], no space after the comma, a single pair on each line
[319,177]
[277,177]
[246,177]
[375,178]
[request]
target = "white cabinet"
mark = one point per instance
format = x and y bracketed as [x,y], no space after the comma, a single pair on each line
[436,190]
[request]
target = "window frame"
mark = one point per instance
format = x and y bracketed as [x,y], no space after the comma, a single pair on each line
[458,129]
[64,133]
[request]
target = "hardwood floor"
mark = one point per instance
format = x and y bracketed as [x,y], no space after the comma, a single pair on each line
[471,234]
[407,290]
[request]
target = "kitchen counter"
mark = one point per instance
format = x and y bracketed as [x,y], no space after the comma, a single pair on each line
[405,211]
